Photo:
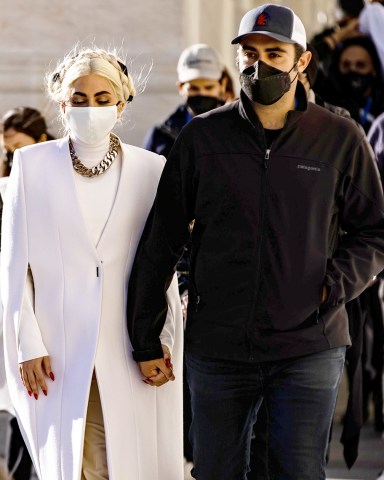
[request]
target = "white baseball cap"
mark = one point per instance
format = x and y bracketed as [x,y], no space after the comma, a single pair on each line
[199,61]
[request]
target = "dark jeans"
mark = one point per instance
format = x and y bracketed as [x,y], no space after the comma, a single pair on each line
[300,397]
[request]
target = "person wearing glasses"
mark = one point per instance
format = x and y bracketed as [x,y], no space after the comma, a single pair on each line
[74,211]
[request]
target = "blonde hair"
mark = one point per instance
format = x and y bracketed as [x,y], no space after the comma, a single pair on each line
[85,62]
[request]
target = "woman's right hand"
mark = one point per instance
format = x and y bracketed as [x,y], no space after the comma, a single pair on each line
[33,373]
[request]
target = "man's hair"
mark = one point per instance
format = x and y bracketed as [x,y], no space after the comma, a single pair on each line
[299,50]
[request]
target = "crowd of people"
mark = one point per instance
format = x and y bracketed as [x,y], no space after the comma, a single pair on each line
[186,309]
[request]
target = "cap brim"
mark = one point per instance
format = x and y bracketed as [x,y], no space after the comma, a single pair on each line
[276,36]
[195,73]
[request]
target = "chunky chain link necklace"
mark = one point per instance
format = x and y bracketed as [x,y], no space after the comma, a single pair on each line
[101,167]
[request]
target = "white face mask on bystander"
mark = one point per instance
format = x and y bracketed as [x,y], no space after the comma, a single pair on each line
[90,125]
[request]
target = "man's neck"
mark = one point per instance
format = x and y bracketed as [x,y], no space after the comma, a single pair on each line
[272,117]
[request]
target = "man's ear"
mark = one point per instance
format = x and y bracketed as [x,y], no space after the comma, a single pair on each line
[304,60]
[181,90]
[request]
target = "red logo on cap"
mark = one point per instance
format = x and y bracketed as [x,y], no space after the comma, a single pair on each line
[262,19]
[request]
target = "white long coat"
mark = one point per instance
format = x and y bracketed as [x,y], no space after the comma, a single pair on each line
[78,319]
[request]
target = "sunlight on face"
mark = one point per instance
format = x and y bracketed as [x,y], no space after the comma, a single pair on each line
[201,86]
[11,140]
[92,91]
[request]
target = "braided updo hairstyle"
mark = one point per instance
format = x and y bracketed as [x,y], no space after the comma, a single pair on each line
[85,62]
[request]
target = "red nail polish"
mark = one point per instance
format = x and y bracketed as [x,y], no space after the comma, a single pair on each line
[52,376]
[36,396]
[168,363]
[45,392]
[29,393]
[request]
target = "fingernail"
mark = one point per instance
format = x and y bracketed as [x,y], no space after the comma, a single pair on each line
[45,392]
[52,376]
[168,363]
[36,396]
[29,393]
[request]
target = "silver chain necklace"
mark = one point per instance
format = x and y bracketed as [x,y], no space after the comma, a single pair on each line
[102,166]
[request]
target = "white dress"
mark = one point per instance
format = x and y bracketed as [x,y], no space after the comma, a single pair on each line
[80,266]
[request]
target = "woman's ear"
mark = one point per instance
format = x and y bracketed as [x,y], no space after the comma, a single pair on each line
[62,106]
[120,108]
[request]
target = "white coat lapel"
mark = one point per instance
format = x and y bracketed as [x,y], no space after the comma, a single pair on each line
[140,173]
[67,184]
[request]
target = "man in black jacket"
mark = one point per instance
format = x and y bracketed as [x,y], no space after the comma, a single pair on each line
[289,226]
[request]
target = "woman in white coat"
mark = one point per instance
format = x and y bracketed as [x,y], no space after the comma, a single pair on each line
[73,215]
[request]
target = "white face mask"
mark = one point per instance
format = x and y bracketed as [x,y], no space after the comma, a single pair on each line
[91,125]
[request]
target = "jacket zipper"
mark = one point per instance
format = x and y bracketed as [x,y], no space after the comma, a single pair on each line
[266,158]
[197,303]
[262,222]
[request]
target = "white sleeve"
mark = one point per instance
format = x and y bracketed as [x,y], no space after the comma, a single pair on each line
[16,288]
[371,23]
[174,314]
[30,343]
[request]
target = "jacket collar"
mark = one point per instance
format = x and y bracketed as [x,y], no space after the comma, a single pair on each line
[248,113]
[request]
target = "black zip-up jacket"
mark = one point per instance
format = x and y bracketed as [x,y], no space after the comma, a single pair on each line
[161,138]
[267,234]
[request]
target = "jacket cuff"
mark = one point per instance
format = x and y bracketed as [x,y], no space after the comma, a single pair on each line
[144,355]
[333,298]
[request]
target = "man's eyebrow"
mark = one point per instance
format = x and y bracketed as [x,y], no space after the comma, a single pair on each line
[269,49]
[276,49]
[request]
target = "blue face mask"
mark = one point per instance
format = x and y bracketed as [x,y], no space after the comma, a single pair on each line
[265,84]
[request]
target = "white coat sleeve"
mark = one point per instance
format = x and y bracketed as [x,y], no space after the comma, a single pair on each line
[174,314]
[17,290]
[31,344]
[371,23]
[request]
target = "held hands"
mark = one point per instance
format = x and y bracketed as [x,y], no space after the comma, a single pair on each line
[159,371]
[33,373]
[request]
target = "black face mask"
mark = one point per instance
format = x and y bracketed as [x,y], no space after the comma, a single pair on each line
[356,83]
[265,84]
[202,103]
[9,156]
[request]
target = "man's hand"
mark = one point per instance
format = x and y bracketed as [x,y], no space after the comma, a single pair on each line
[324,294]
[159,371]
[33,373]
